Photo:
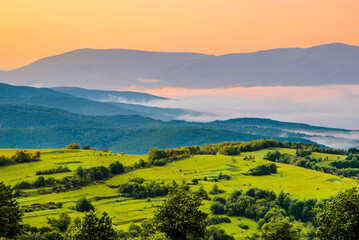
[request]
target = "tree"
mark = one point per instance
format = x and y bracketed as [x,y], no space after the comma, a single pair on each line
[10,213]
[73,146]
[116,168]
[179,216]
[84,205]
[94,228]
[216,233]
[279,229]
[62,223]
[340,219]
[86,147]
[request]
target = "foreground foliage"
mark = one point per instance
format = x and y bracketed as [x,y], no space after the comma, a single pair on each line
[180,217]
[340,219]
[279,229]
[93,227]
[10,213]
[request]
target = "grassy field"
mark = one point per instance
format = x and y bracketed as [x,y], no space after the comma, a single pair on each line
[301,183]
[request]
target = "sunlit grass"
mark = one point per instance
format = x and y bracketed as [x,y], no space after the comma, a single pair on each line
[299,182]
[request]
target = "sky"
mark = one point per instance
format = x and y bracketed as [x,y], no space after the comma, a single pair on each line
[30,30]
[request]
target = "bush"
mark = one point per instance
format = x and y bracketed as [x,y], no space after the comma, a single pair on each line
[243,226]
[215,232]
[84,205]
[217,220]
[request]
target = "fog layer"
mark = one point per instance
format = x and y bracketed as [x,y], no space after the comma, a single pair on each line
[328,106]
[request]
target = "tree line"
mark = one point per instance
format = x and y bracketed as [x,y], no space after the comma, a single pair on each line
[20,157]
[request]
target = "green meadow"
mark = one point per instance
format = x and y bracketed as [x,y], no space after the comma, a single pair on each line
[301,183]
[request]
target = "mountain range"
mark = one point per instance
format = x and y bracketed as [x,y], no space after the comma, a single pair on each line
[45,118]
[80,102]
[329,64]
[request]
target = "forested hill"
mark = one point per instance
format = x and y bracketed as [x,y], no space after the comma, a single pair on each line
[328,64]
[53,99]
[26,126]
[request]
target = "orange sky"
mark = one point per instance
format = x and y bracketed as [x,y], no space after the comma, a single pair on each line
[32,29]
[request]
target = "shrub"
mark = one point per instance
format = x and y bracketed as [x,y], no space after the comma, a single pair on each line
[243,226]
[217,220]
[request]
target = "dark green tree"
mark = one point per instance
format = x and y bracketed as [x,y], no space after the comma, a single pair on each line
[216,233]
[84,205]
[340,219]
[180,217]
[94,228]
[73,146]
[279,229]
[10,213]
[116,168]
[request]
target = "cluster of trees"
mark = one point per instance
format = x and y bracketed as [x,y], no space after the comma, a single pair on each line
[263,169]
[59,169]
[73,146]
[159,157]
[346,168]
[38,183]
[81,177]
[139,189]
[214,220]
[235,148]
[262,205]
[20,157]
[351,161]
[306,162]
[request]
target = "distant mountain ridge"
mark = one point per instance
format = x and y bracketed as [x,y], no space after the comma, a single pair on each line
[109,96]
[329,64]
[50,98]
[18,122]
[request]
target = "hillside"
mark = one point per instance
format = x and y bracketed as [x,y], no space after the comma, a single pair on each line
[27,126]
[328,64]
[46,97]
[119,139]
[300,183]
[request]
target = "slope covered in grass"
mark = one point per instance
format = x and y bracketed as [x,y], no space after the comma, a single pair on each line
[301,183]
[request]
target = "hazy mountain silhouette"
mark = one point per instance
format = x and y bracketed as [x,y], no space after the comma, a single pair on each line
[117,68]
[46,97]
[109,96]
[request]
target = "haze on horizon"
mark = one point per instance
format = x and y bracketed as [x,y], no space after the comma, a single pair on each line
[35,29]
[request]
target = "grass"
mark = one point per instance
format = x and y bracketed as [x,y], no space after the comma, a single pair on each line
[301,183]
